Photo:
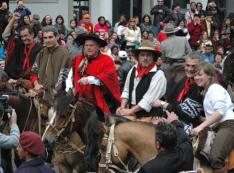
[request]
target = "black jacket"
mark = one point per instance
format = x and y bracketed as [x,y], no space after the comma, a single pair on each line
[173,161]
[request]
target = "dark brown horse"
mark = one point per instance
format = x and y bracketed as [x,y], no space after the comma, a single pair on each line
[27,114]
[66,132]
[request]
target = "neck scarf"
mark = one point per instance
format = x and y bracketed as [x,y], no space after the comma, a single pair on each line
[188,83]
[144,71]
[27,52]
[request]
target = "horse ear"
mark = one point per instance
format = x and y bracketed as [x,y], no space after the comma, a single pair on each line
[100,114]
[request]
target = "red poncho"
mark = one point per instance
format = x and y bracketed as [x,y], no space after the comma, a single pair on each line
[102,67]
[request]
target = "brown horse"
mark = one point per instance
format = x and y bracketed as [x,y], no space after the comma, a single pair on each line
[135,138]
[108,147]
[27,115]
[65,132]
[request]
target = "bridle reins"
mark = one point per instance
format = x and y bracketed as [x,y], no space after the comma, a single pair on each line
[111,146]
[59,133]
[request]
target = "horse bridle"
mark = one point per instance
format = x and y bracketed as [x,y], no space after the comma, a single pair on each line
[111,145]
[65,122]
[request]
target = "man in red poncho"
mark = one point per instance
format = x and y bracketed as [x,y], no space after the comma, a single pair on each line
[94,74]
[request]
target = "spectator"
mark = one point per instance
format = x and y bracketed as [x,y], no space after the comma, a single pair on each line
[115,37]
[226,29]
[161,15]
[72,25]
[47,20]
[108,25]
[175,151]
[124,68]
[182,30]
[132,35]
[204,40]
[39,37]
[29,151]
[27,21]
[85,23]
[36,25]
[102,28]
[218,62]
[72,46]
[189,15]
[208,56]
[146,24]
[216,40]
[154,41]
[195,29]
[144,36]
[60,26]
[11,140]
[22,10]
[200,10]
[210,25]
[115,53]
[122,19]
[214,9]
[137,20]
[176,15]
[121,29]
[4,16]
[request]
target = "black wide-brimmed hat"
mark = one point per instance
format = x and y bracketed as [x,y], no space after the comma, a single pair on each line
[148,46]
[91,36]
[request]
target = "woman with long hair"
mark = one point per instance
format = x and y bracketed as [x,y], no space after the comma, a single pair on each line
[204,40]
[47,20]
[60,25]
[132,35]
[146,24]
[218,109]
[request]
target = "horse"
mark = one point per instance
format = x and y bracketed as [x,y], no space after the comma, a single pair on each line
[65,132]
[27,114]
[127,137]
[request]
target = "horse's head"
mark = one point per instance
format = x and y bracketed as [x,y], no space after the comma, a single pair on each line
[94,132]
[67,116]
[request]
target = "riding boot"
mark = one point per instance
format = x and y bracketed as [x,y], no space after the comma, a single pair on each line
[221,170]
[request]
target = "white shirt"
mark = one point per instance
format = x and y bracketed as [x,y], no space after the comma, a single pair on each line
[156,89]
[217,99]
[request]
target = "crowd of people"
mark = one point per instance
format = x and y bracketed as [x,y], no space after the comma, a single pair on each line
[121,69]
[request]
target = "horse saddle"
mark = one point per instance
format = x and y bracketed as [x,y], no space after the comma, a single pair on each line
[204,144]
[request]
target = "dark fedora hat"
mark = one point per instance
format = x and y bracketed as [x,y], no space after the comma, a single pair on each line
[90,36]
[148,46]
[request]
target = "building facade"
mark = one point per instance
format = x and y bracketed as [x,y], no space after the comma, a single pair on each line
[111,9]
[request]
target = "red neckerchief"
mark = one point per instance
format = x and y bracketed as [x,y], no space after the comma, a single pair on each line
[188,83]
[27,52]
[144,71]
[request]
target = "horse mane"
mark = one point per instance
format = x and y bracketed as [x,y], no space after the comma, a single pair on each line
[94,133]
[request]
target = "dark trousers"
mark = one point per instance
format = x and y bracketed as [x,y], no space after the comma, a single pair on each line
[223,144]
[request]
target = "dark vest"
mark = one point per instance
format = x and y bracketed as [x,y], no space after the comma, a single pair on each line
[141,89]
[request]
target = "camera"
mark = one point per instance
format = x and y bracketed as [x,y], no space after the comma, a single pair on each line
[4,107]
